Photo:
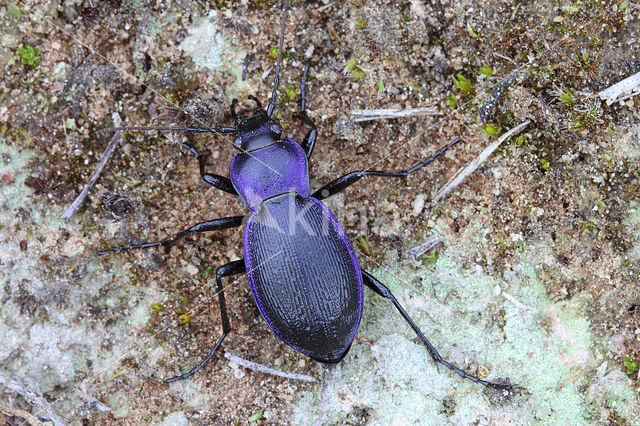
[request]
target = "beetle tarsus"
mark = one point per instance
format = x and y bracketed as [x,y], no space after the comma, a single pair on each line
[310,139]
[227,270]
[199,366]
[382,290]
[220,182]
[276,80]
[209,225]
[350,178]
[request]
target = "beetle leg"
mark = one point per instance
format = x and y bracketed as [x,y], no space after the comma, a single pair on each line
[276,80]
[310,138]
[229,269]
[375,285]
[350,178]
[210,225]
[218,181]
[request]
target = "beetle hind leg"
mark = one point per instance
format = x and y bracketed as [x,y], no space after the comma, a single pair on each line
[227,270]
[375,285]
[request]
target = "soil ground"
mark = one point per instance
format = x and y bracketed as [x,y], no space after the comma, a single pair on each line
[535,281]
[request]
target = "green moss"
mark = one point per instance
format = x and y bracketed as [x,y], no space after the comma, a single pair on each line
[463,84]
[292,91]
[29,55]
[486,70]
[351,67]
[452,101]
[490,129]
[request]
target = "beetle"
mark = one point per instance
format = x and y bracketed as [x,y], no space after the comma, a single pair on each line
[302,269]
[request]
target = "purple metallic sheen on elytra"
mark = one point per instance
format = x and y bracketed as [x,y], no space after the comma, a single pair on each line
[275,169]
[304,275]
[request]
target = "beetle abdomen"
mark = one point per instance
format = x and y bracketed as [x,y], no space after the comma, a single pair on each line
[304,275]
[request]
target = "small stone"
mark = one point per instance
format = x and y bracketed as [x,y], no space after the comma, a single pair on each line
[191,269]
[418,204]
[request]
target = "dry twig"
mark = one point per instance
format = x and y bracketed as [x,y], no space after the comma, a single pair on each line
[418,251]
[29,389]
[113,144]
[32,420]
[622,90]
[377,114]
[475,163]
[267,370]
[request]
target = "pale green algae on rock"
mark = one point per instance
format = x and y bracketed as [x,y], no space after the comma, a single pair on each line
[68,357]
[219,55]
[507,325]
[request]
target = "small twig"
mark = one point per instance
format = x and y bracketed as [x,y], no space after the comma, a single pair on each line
[267,370]
[20,413]
[542,105]
[506,58]
[516,302]
[30,390]
[113,144]
[377,114]
[622,90]
[418,251]
[475,163]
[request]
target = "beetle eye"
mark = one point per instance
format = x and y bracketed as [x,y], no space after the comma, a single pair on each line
[275,128]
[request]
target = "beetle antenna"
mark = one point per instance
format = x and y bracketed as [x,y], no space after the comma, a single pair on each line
[170,128]
[234,114]
[276,80]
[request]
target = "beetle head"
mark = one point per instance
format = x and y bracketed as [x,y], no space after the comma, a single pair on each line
[254,129]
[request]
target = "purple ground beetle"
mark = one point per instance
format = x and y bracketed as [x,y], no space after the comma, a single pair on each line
[303,271]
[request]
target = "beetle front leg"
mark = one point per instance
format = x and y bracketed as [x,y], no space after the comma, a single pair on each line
[227,270]
[210,225]
[375,285]
[310,139]
[350,178]
[220,182]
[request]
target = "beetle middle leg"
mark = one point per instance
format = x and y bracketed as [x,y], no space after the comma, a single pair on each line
[350,178]
[220,182]
[227,270]
[310,138]
[210,225]
[375,285]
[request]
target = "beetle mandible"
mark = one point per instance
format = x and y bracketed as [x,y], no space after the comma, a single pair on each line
[302,269]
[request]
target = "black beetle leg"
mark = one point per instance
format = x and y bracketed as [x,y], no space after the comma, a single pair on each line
[375,285]
[218,181]
[276,80]
[350,178]
[310,138]
[210,225]
[229,269]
